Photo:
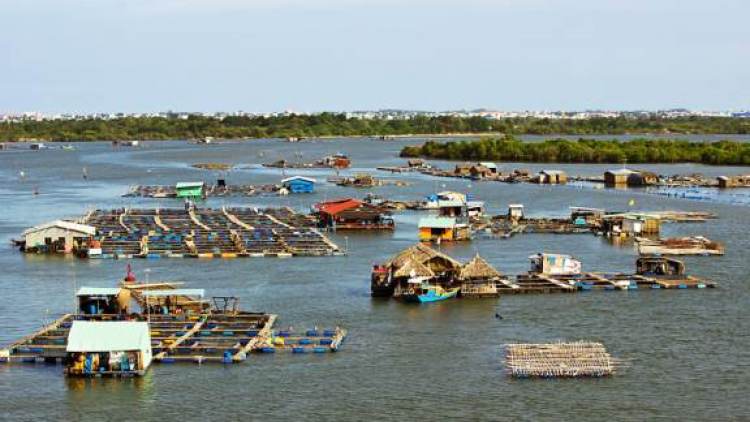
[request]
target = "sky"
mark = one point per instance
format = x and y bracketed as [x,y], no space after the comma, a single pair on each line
[91,56]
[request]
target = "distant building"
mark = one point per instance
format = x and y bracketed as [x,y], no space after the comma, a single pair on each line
[628,177]
[299,184]
[191,190]
[56,236]
[442,229]
[350,214]
[552,177]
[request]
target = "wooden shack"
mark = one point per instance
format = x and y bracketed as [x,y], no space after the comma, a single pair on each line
[552,177]
[479,279]
[463,170]
[415,163]
[617,178]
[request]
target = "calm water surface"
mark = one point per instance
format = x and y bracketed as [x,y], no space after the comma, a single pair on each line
[686,354]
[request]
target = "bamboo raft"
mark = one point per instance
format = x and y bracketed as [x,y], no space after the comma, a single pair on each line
[541,283]
[559,360]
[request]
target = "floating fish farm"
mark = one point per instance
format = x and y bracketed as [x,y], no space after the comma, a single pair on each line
[188,233]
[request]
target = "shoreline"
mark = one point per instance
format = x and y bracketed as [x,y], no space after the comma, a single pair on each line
[389,138]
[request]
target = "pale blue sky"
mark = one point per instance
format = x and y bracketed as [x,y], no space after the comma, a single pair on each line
[308,55]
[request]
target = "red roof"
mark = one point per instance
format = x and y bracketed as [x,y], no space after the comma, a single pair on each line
[336,206]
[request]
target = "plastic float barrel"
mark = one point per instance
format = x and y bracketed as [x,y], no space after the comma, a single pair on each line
[227,357]
[168,360]
[305,341]
[654,286]
[325,342]
[284,333]
[329,333]
[682,286]
[299,350]
[227,333]
[312,333]
[252,333]
[609,287]
[320,350]
[268,350]
[701,286]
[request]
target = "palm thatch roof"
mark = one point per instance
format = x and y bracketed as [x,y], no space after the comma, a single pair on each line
[479,269]
[414,268]
[422,254]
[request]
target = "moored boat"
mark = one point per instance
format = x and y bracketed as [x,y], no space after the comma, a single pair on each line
[421,291]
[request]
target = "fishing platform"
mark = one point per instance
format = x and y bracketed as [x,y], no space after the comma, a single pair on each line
[183,327]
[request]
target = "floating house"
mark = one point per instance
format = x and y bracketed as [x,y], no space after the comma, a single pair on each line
[338,161]
[474,209]
[350,214]
[463,170]
[392,276]
[451,208]
[56,236]
[415,163]
[492,167]
[299,184]
[725,182]
[631,224]
[442,229]
[515,212]
[552,177]
[554,264]
[191,190]
[116,348]
[628,177]
[103,300]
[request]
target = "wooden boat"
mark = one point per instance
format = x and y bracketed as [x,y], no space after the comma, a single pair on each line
[424,292]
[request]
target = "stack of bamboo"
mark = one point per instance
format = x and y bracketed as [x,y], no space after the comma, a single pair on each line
[559,360]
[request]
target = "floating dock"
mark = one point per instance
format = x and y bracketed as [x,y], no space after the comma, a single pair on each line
[559,360]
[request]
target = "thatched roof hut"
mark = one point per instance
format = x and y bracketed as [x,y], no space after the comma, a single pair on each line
[479,269]
[425,255]
[414,268]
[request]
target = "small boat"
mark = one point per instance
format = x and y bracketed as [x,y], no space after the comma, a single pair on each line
[421,291]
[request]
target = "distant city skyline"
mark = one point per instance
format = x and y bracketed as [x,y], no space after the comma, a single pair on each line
[149,56]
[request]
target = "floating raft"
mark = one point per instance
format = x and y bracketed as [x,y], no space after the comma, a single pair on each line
[559,360]
[170,191]
[203,338]
[542,283]
[680,246]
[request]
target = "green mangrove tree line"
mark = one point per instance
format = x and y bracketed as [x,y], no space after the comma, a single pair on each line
[511,149]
